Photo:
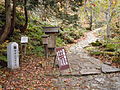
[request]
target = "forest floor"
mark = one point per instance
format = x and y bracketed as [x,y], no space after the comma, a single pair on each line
[85,72]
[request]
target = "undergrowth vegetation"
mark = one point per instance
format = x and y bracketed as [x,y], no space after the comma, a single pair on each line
[34,32]
[106,50]
[69,35]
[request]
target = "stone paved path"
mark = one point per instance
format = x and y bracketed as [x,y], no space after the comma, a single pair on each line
[81,64]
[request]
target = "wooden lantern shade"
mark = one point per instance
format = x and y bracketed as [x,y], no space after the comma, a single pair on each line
[45,39]
[52,32]
[52,41]
[49,30]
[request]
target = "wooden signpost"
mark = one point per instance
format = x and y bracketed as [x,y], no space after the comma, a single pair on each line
[62,59]
[51,50]
[24,41]
[45,43]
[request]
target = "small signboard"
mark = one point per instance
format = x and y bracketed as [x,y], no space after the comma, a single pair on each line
[24,39]
[62,58]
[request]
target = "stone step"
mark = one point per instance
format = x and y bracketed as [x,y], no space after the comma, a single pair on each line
[109,69]
[89,71]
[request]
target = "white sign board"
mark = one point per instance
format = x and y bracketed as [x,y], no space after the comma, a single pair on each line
[62,58]
[13,55]
[24,39]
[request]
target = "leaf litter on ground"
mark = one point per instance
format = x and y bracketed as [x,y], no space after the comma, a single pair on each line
[30,75]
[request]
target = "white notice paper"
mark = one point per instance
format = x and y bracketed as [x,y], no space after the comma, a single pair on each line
[24,39]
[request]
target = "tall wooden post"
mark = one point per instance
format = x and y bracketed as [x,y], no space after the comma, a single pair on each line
[46,50]
[45,43]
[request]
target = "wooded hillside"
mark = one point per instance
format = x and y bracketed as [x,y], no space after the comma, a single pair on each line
[74,17]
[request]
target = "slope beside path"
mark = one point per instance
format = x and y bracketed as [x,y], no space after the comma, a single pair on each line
[81,63]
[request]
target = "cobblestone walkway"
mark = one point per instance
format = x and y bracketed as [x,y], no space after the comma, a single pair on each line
[86,72]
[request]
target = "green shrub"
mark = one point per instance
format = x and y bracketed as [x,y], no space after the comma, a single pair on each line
[97,43]
[110,49]
[97,53]
[70,34]
[38,50]
[2,57]
[59,42]
[90,48]
[75,34]
[69,39]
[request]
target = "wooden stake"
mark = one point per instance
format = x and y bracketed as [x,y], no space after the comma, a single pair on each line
[46,51]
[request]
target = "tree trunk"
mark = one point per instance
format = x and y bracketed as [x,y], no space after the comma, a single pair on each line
[23,29]
[26,15]
[13,18]
[108,31]
[108,18]
[7,22]
[91,19]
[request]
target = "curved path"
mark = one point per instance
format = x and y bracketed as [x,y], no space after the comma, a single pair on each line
[81,64]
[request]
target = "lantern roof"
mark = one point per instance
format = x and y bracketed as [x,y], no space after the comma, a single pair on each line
[51,29]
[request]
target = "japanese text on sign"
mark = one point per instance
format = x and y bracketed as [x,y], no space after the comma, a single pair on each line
[62,58]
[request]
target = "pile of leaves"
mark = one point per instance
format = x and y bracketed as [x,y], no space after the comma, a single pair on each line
[30,75]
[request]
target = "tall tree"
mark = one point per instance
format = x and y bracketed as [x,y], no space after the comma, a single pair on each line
[89,9]
[109,15]
[13,17]
[28,5]
[23,29]
[108,18]
[6,29]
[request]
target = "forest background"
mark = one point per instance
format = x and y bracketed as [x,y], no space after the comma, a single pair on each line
[74,17]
